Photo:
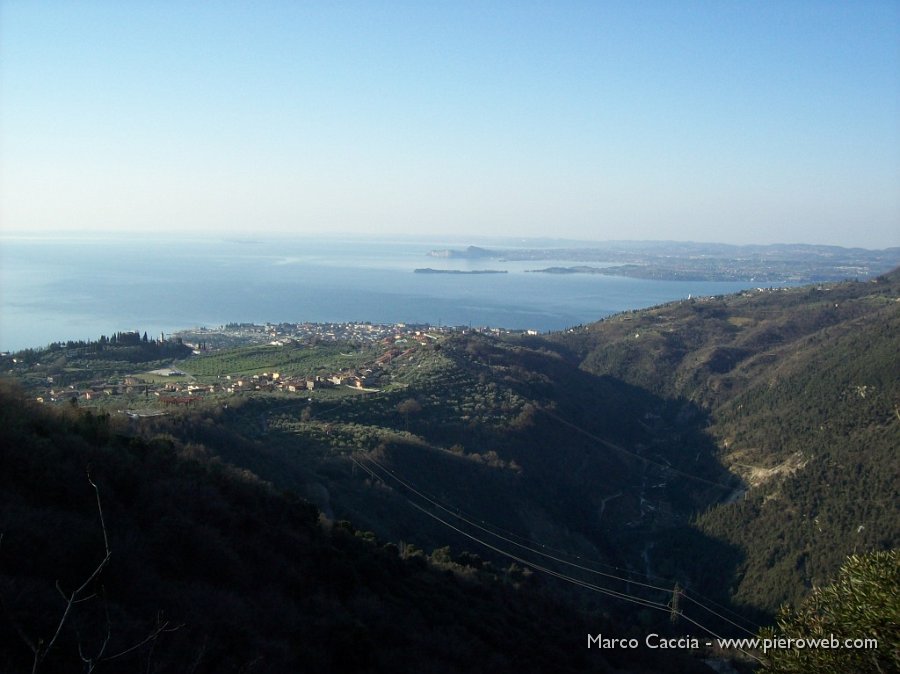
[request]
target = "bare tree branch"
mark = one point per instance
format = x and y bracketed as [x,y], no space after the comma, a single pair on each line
[91,663]
[76,595]
[100,510]
[41,648]
[162,627]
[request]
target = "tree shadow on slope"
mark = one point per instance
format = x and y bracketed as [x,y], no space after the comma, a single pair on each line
[597,467]
[243,577]
[590,466]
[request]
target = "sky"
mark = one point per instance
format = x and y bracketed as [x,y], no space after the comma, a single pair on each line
[736,122]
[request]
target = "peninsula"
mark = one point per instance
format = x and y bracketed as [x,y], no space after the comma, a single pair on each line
[429,270]
[689,261]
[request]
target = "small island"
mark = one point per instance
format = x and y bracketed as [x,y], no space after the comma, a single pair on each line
[429,270]
[569,270]
[472,252]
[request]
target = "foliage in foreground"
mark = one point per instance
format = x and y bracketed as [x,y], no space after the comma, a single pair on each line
[862,603]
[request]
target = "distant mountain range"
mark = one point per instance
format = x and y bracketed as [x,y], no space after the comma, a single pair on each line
[684,261]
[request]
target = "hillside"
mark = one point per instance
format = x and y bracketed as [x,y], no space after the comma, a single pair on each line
[209,569]
[736,447]
[516,437]
[509,454]
[801,388]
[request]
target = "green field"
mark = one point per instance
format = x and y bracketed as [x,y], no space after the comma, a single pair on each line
[288,361]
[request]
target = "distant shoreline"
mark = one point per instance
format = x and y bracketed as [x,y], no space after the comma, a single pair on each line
[429,270]
[700,262]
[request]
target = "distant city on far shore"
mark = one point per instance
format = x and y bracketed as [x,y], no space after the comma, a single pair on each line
[79,289]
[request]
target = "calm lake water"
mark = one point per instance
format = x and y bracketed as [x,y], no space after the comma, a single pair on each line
[54,290]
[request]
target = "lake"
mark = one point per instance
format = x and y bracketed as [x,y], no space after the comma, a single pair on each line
[80,288]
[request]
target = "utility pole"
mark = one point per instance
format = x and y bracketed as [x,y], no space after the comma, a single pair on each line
[675,607]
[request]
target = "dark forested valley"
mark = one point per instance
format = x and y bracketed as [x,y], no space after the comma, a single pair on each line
[448,502]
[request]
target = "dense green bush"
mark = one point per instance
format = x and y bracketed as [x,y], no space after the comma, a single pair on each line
[862,603]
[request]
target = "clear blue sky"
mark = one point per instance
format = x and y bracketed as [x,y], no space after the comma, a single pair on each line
[743,122]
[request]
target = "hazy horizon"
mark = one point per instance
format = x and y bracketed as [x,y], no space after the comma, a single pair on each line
[437,238]
[735,123]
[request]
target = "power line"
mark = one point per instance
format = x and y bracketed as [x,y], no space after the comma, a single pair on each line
[719,615]
[468,520]
[439,505]
[619,448]
[556,574]
[509,540]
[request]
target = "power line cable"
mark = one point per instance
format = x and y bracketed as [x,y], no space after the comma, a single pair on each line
[509,540]
[719,615]
[619,448]
[437,504]
[596,588]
